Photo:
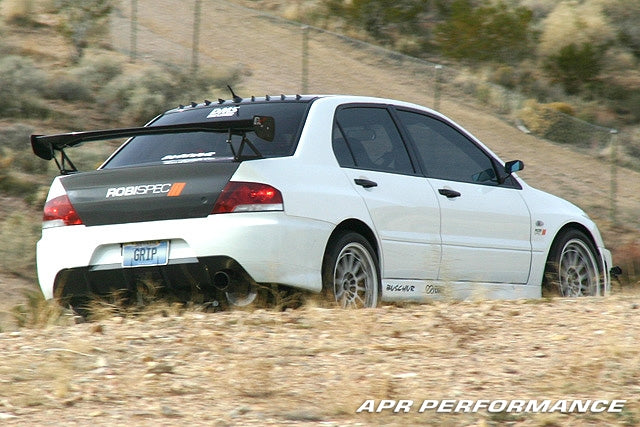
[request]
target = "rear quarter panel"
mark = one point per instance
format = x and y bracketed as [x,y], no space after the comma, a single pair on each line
[311,181]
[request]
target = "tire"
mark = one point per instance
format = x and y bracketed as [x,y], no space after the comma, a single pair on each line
[573,268]
[350,272]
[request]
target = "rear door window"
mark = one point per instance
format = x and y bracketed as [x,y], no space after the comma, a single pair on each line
[367,138]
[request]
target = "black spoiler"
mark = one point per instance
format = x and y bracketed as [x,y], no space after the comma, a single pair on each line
[45,146]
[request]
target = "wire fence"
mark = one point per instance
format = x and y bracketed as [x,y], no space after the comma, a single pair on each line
[298,58]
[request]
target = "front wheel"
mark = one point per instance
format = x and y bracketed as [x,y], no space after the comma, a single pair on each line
[572,268]
[350,272]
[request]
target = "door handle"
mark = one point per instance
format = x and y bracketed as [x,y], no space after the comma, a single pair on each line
[450,194]
[365,183]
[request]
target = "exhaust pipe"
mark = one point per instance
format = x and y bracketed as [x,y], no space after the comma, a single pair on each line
[240,294]
[221,280]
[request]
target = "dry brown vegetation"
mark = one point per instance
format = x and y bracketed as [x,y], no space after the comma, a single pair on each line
[315,365]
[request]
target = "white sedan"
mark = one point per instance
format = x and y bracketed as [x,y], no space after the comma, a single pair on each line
[365,199]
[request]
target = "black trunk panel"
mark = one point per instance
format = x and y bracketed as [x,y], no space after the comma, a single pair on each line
[148,193]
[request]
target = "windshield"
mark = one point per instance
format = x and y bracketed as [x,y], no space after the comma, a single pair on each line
[191,147]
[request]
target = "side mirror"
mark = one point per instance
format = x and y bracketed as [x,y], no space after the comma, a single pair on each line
[513,166]
[264,127]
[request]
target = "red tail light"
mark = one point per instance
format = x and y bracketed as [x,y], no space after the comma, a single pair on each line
[248,197]
[58,212]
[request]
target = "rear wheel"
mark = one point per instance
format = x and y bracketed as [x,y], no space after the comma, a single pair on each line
[572,268]
[350,272]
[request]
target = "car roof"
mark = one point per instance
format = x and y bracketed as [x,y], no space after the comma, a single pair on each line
[282,98]
[244,101]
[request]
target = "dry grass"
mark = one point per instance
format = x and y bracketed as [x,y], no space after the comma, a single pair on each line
[312,365]
[573,22]
[17,10]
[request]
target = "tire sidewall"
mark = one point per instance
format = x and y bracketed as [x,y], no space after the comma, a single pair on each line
[334,248]
[551,279]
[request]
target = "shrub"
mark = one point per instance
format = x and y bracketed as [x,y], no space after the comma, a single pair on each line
[627,257]
[138,97]
[574,23]
[68,88]
[21,84]
[505,76]
[97,68]
[206,81]
[550,122]
[562,107]
[573,44]
[631,106]
[540,8]
[84,22]
[144,105]
[114,96]
[19,235]
[626,15]
[487,32]
[160,82]
[27,162]
[19,12]
[37,312]
[384,20]
[484,94]
[127,97]
[15,137]
[576,66]
[14,185]
[16,154]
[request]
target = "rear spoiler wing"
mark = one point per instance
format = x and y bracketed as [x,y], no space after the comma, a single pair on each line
[46,146]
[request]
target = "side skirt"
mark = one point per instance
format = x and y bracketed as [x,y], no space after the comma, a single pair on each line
[399,290]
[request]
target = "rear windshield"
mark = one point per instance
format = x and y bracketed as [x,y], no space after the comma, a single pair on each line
[213,146]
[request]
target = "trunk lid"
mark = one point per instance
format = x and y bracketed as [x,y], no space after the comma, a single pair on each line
[148,193]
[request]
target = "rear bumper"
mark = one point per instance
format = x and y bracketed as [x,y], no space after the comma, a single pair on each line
[183,278]
[263,247]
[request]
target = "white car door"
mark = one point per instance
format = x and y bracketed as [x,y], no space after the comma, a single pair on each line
[485,233]
[403,206]
[485,223]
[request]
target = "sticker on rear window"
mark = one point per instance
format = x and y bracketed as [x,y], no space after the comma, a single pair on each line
[222,112]
[188,157]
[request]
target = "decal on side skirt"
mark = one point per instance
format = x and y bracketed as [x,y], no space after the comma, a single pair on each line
[400,288]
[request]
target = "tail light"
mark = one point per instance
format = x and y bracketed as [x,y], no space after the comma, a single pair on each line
[59,212]
[248,197]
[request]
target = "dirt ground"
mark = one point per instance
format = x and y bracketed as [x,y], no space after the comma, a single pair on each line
[317,366]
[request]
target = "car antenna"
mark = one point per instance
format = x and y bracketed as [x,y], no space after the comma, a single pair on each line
[236,98]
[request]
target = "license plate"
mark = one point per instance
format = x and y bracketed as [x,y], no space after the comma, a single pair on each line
[145,254]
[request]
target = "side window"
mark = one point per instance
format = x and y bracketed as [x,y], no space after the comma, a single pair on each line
[367,138]
[446,153]
[340,149]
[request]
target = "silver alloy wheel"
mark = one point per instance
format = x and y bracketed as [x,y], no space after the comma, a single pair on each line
[355,277]
[578,270]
